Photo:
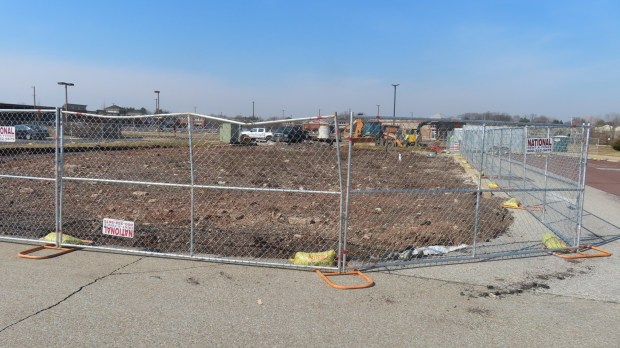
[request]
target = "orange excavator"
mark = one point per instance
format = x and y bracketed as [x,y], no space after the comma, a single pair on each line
[363,132]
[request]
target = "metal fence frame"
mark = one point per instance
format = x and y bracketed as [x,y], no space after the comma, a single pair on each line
[478,145]
[481,145]
[193,186]
[518,147]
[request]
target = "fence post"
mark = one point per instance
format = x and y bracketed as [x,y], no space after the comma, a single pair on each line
[492,157]
[501,142]
[191,178]
[524,155]
[465,144]
[340,209]
[510,159]
[478,194]
[544,205]
[582,182]
[60,163]
[483,159]
[470,159]
[343,254]
[57,177]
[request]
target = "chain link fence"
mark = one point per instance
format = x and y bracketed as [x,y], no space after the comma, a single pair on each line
[202,187]
[542,167]
[424,204]
[28,185]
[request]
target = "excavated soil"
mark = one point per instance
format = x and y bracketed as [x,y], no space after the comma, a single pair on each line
[266,201]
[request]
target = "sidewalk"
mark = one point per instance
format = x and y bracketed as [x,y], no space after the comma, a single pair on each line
[603,158]
[99,299]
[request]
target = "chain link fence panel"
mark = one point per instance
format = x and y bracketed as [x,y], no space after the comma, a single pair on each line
[542,167]
[201,187]
[27,174]
[422,204]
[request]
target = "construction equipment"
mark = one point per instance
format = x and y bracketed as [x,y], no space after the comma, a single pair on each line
[411,137]
[380,134]
[390,134]
[363,132]
[393,135]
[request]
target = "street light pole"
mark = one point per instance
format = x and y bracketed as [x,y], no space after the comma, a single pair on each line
[157,104]
[64,117]
[252,110]
[66,84]
[34,96]
[394,114]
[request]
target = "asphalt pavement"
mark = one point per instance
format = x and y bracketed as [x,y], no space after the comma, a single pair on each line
[94,299]
[604,175]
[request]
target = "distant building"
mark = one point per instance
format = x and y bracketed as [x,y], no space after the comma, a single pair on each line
[115,110]
[74,107]
[439,116]
[22,106]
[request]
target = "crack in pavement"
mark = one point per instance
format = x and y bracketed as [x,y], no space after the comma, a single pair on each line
[215,266]
[69,296]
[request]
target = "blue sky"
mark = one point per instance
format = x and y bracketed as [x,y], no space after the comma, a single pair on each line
[557,58]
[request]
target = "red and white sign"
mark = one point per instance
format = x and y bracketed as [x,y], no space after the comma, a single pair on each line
[539,145]
[7,134]
[118,228]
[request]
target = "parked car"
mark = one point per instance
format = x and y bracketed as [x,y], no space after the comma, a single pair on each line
[291,134]
[30,131]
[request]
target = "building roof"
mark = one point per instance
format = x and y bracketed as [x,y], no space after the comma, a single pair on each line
[439,116]
[75,107]
[23,106]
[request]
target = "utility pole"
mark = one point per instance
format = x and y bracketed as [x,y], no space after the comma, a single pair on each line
[394,114]
[252,110]
[34,96]
[378,113]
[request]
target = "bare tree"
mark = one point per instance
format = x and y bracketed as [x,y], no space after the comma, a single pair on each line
[540,119]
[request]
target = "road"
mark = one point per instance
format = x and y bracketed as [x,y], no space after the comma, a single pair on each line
[604,175]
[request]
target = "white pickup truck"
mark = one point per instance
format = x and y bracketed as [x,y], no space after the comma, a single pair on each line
[257,134]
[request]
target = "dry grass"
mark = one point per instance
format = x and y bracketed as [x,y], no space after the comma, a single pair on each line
[604,150]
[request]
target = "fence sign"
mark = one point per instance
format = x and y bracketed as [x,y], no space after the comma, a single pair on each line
[7,134]
[538,145]
[118,228]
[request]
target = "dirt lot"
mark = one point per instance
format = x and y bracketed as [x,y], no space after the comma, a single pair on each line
[229,221]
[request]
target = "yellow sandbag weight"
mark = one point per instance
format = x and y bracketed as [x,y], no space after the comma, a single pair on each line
[325,258]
